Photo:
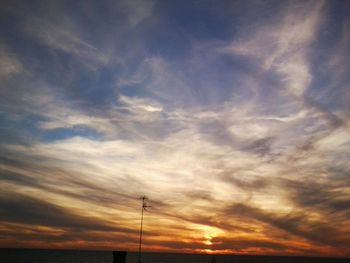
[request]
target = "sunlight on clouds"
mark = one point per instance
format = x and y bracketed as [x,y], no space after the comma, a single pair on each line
[253,129]
[296,72]
[239,140]
[337,140]
[278,204]
[71,120]
[229,173]
[209,233]
[139,104]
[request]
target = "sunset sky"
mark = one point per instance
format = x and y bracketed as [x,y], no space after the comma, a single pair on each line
[233,117]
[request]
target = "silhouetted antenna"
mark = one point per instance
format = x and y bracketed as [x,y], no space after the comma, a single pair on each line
[143,208]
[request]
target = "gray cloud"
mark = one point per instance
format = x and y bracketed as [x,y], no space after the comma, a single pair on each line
[232,177]
[32,233]
[260,146]
[295,223]
[327,198]
[27,210]
[103,113]
[49,181]
[221,243]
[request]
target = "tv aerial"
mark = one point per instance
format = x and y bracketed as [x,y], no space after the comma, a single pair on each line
[143,208]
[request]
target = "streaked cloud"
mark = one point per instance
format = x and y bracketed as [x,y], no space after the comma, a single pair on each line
[137,10]
[238,135]
[64,38]
[9,62]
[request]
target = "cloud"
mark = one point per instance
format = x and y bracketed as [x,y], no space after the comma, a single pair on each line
[139,104]
[260,146]
[138,10]
[9,63]
[24,209]
[283,47]
[222,243]
[64,37]
[328,199]
[232,137]
[229,172]
[294,223]
[163,80]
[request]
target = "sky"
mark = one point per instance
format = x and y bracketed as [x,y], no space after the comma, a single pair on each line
[232,117]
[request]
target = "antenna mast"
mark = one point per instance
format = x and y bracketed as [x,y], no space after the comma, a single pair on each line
[143,208]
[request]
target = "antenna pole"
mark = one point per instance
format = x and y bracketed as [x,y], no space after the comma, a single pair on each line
[144,206]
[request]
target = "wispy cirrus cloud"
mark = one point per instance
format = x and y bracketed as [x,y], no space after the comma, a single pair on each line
[10,64]
[283,48]
[64,37]
[137,10]
[237,140]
